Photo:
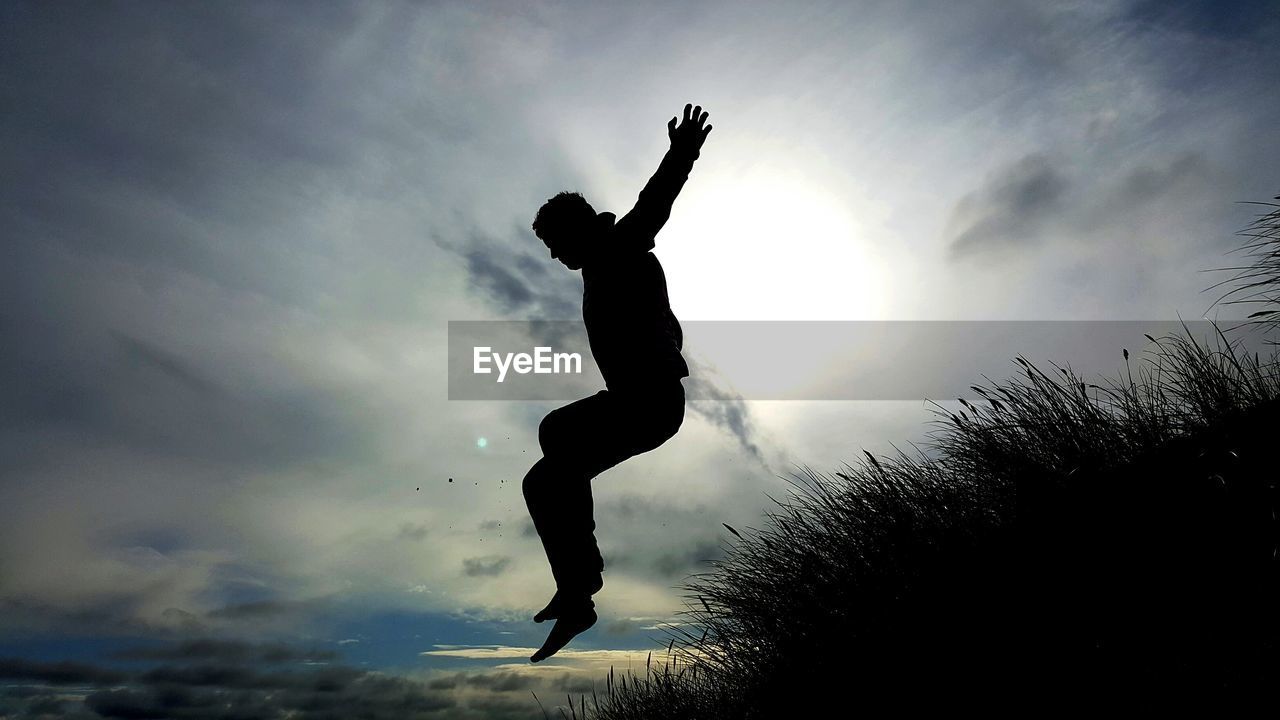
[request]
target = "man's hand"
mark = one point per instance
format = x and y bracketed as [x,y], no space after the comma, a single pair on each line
[691,133]
[653,208]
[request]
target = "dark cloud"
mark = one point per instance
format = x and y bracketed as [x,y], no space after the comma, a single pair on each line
[134,109]
[162,166]
[67,370]
[411,531]
[1152,181]
[43,705]
[689,560]
[500,681]
[229,690]
[488,566]
[444,683]
[642,510]
[657,538]
[517,282]
[227,651]
[175,367]
[679,556]
[522,286]
[324,693]
[1229,21]
[577,684]
[500,705]
[181,619]
[1010,209]
[729,411]
[238,676]
[1175,187]
[262,609]
[620,626]
[57,673]
[509,291]
[107,617]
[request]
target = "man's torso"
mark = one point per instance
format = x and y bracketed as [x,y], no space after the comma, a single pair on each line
[634,336]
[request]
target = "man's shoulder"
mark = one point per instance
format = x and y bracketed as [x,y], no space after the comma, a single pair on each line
[618,239]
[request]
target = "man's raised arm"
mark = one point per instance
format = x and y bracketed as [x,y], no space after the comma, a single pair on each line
[652,209]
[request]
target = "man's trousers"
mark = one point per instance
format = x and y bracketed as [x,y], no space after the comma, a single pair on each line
[579,441]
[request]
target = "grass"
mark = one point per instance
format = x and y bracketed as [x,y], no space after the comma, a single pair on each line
[1258,281]
[1067,541]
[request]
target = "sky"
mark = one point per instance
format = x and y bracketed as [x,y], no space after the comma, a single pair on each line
[232,236]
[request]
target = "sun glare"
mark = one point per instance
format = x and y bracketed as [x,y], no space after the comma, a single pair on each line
[776,245]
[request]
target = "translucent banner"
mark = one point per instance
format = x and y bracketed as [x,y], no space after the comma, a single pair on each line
[816,360]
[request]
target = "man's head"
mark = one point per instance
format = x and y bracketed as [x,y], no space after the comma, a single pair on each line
[565,224]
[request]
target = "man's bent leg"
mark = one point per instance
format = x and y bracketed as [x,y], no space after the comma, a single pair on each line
[581,440]
[558,491]
[558,496]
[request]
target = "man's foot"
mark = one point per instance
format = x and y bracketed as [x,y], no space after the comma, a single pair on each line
[573,620]
[552,610]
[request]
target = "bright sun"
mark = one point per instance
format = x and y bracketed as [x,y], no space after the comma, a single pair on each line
[770,245]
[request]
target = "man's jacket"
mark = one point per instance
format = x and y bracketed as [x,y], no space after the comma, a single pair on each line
[634,336]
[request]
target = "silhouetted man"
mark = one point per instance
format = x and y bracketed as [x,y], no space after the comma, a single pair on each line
[636,342]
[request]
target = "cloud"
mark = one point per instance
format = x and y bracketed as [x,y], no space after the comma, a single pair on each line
[690,559]
[728,412]
[488,566]
[58,673]
[509,291]
[264,609]
[412,531]
[522,286]
[204,679]
[657,539]
[109,616]
[226,693]
[166,362]
[228,651]
[501,652]
[1149,181]
[1011,208]
[499,681]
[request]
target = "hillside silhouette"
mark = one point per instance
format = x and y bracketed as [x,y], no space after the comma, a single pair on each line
[1066,544]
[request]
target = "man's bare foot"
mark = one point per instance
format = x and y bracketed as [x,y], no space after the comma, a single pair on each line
[552,610]
[573,621]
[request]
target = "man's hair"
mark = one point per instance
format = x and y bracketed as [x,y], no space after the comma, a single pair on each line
[559,212]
